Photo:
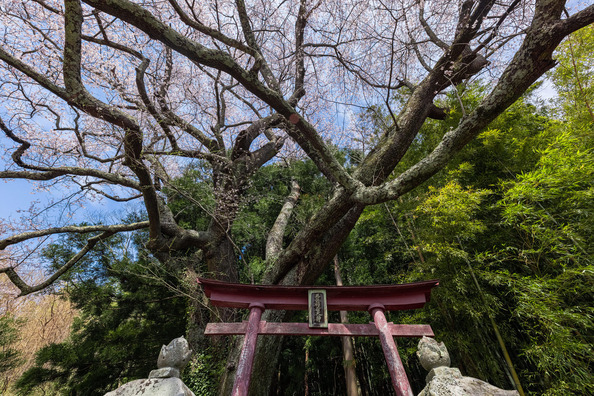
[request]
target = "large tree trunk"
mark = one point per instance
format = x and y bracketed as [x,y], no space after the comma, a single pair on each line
[221,261]
[268,347]
[126,129]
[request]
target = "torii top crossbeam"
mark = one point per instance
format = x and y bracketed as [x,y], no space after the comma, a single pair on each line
[340,298]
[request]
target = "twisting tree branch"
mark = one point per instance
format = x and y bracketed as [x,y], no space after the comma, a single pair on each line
[48,173]
[85,101]
[250,38]
[215,34]
[115,228]
[304,134]
[27,289]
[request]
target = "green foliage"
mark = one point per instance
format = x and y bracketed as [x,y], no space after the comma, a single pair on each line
[552,206]
[264,199]
[551,211]
[92,267]
[127,313]
[449,225]
[190,197]
[545,268]
[516,207]
[450,211]
[574,77]
[192,201]
[200,375]
[9,357]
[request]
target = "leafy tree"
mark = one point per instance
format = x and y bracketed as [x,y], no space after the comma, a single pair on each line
[9,357]
[536,214]
[41,320]
[545,268]
[127,311]
[549,264]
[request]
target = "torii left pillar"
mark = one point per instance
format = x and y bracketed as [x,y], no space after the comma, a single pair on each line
[246,359]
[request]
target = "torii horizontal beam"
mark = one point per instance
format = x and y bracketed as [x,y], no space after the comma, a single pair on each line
[334,329]
[340,298]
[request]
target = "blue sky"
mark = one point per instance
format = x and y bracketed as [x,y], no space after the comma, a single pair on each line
[20,194]
[15,195]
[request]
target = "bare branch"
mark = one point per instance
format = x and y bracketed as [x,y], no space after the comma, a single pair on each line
[217,35]
[48,173]
[534,58]
[251,40]
[48,7]
[265,153]
[161,120]
[300,23]
[495,29]
[83,99]
[432,36]
[26,289]
[89,186]
[72,229]
[304,133]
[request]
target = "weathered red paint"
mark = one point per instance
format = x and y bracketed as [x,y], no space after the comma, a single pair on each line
[397,373]
[375,299]
[334,329]
[339,298]
[246,359]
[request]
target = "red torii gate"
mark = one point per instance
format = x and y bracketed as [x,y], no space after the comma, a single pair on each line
[318,300]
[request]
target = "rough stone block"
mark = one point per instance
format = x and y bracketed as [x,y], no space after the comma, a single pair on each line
[165,372]
[448,385]
[153,387]
[446,371]
[177,354]
[432,353]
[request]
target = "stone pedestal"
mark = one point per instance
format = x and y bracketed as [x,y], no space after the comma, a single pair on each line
[164,381]
[153,387]
[443,380]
